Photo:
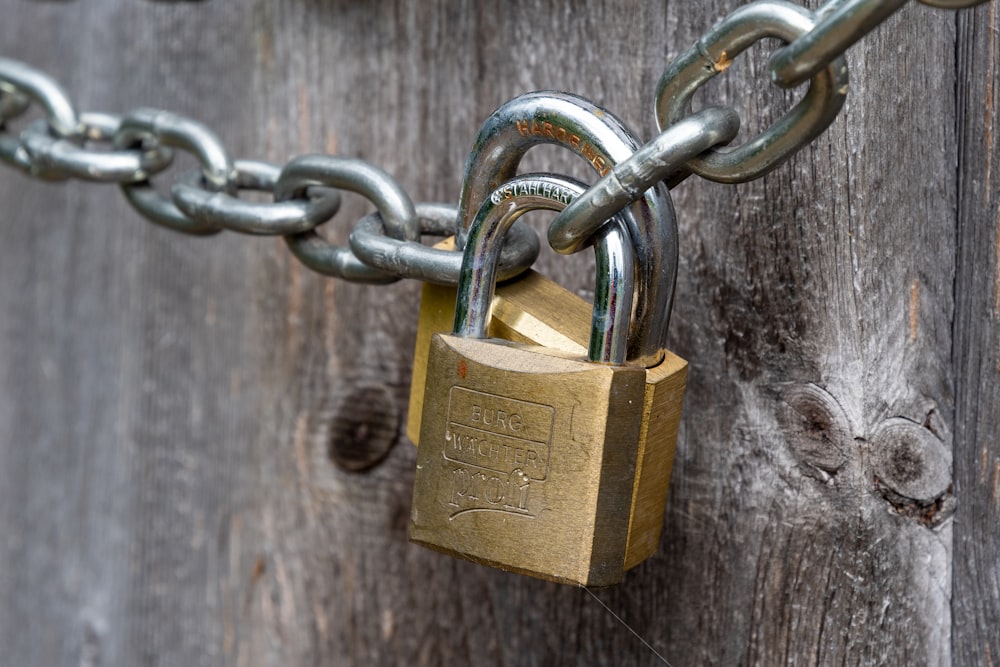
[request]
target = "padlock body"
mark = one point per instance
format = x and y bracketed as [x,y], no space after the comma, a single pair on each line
[527,459]
[534,309]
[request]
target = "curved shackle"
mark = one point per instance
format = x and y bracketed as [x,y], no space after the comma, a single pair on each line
[615,285]
[596,135]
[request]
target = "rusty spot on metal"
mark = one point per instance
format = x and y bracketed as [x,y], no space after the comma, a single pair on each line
[722,63]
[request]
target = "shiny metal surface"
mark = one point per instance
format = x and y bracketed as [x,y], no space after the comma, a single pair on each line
[398,212]
[268,219]
[596,135]
[714,53]
[630,179]
[837,30]
[46,153]
[615,285]
[14,155]
[169,129]
[43,90]
[410,259]
[13,103]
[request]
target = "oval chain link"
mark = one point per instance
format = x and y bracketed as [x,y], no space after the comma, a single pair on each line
[221,209]
[842,23]
[52,154]
[409,259]
[714,53]
[43,90]
[393,203]
[166,128]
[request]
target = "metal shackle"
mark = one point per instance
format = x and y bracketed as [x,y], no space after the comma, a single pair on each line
[596,135]
[615,285]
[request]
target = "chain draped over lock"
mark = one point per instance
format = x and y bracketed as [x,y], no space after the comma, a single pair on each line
[507,396]
[385,246]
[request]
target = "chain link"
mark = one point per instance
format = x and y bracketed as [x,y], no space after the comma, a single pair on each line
[660,159]
[44,153]
[713,55]
[221,209]
[842,23]
[409,259]
[385,246]
[169,129]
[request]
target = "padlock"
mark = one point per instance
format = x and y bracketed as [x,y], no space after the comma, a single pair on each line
[524,309]
[528,457]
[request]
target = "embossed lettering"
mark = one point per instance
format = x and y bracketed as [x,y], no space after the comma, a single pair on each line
[478,491]
[497,434]
[496,417]
[550,191]
[489,450]
[459,485]
[562,135]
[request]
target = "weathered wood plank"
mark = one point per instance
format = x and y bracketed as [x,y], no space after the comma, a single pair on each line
[976,571]
[168,405]
[117,373]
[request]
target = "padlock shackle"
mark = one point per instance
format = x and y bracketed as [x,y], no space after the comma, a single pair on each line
[596,135]
[614,287]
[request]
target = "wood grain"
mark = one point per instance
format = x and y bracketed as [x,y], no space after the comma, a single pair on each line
[171,407]
[976,345]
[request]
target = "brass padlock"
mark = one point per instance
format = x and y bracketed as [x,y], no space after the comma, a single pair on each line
[523,312]
[528,457]
[524,309]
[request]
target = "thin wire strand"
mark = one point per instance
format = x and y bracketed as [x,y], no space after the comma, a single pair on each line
[628,627]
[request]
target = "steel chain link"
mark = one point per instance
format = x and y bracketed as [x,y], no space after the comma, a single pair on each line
[385,246]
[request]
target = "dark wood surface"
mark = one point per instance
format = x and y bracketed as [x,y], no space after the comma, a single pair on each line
[171,407]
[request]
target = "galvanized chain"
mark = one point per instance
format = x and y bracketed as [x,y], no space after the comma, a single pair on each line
[385,246]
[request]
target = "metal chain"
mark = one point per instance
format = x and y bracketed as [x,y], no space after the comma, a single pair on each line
[385,246]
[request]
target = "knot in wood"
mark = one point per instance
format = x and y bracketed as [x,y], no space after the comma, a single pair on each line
[910,460]
[365,426]
[816,428]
